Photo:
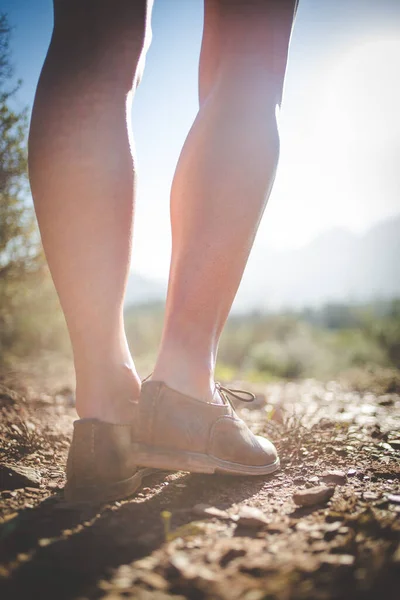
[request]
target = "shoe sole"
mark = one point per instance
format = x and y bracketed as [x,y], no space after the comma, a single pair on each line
[195,462]
[107,493]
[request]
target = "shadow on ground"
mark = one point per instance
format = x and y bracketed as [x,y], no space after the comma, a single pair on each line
[60,551]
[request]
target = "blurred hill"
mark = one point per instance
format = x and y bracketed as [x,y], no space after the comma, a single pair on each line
[142,290]
[337,266]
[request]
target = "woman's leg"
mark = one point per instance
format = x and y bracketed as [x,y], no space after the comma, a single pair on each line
[82,177]
[222,182]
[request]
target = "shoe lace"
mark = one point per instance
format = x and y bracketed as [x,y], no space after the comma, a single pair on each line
[228,393]
[242,395]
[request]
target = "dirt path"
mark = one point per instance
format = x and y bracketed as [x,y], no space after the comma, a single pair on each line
[164,543]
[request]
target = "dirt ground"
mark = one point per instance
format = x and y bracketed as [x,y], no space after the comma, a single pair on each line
[198,537]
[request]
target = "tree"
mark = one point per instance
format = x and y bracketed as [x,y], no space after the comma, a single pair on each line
[20,254]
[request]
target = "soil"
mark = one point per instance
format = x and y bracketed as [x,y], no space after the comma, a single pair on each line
[163,543]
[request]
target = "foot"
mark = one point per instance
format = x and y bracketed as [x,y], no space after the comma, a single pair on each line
[101,466]
[178,432]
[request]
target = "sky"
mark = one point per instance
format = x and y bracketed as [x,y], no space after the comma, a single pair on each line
[339,123]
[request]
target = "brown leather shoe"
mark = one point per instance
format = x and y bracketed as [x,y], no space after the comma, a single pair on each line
[177,432]
[101,466]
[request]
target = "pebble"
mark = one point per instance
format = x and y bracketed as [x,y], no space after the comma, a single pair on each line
[249,516]
[9,494]
[386,446]
[338,559]
[316,495]
[335,476]
[205,510]
[351,472]
[395,444]
[277,527]
[331,527]
[370,496]
[386,400]
[16,476]
[299,480]
[52,485]
[395,498]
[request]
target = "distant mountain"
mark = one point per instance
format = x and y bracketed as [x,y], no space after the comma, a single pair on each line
[142,289]
[337,266]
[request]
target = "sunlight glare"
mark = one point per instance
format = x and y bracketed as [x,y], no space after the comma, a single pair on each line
[339,167]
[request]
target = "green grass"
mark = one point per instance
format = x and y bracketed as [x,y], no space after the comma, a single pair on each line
[319,343]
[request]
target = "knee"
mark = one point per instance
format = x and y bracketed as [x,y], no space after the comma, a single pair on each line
[107,44]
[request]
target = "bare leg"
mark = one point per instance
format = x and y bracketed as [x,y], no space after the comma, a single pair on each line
[222,182]
[82,178]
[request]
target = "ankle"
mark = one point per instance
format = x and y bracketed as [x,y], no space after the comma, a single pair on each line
[185,374]
[107,393]
[183,383]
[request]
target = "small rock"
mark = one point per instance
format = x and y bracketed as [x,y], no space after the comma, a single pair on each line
[314,479]
[230,555]
[370,496]
[395,444]
[188,570]
[386,446]
[14,477]
[52,485]
[277,527]
[334,526]
[335,476]
[299,480]
[315,495]
[395,498]
[351,472]
[343,530]
[9,494]
[205,510]
[249,516]
[306,526]
[386,400]
[338,559]
[152,580]
[319,546]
